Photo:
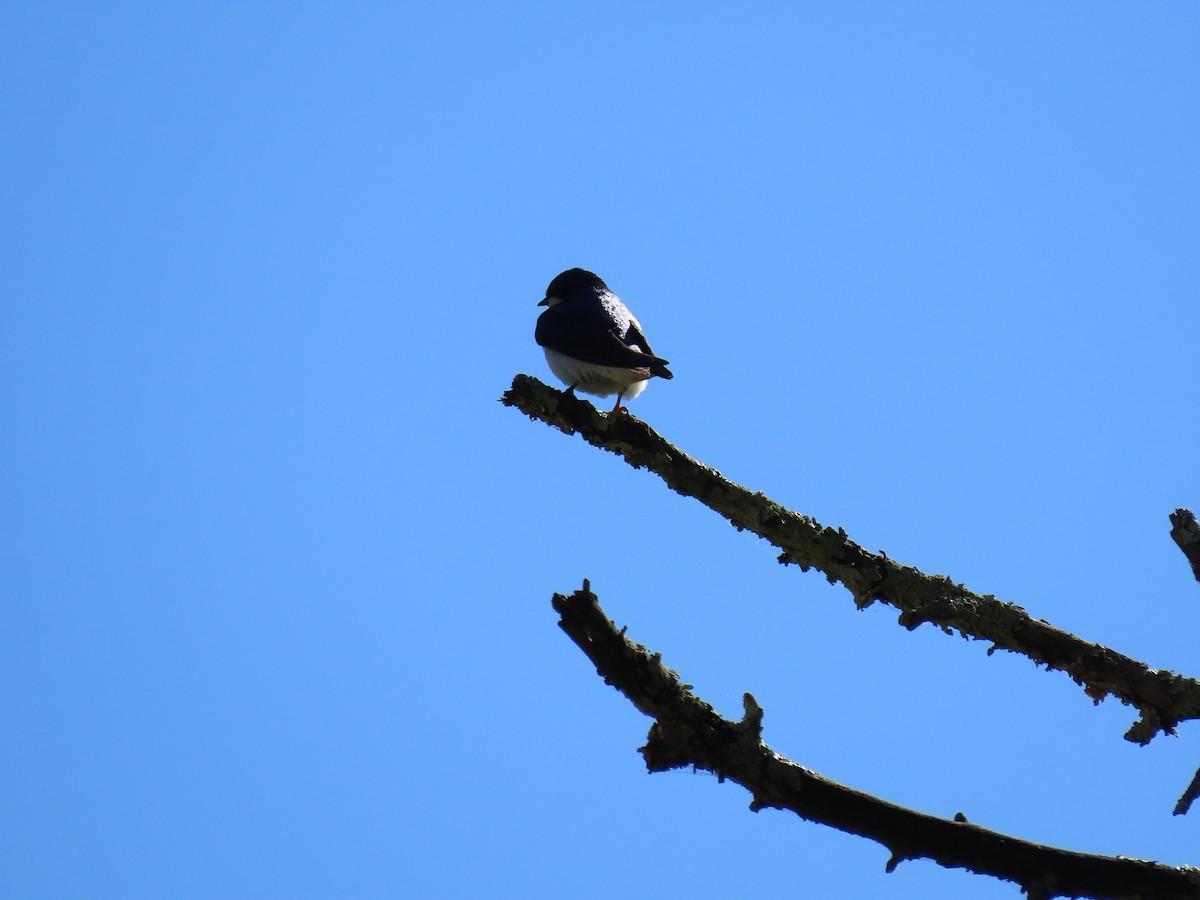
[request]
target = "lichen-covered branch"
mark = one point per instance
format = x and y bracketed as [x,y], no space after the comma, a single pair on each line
[687,731]
[1162,698]
[1185,531]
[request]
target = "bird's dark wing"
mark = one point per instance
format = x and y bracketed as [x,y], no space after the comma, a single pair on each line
[634,336]
[593,339]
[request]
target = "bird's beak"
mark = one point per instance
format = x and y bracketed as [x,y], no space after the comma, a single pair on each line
[545,301]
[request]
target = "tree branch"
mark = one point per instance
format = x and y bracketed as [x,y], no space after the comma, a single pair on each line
[1189,795]
[1162,698]
[688,732]
[1185,532]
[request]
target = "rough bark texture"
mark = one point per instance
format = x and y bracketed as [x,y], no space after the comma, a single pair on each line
[1162,698]
[688,732]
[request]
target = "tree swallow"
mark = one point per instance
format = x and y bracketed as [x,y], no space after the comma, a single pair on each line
[592,341]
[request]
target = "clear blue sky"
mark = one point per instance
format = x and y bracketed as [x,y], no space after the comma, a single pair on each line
[276,566]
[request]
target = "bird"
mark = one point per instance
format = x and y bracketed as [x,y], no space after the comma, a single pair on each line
[592,341]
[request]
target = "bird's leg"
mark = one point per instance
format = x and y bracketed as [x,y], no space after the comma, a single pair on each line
[619,408]
[570,392]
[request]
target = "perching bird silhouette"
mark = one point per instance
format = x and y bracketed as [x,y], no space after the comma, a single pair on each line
[592,341]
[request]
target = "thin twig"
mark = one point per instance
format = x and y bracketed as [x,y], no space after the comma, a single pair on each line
[1189,795]
[688,732]
[1185,531]
[1162,698]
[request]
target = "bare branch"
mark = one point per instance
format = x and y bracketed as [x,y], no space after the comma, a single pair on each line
[1162,698]
[1185,531]
[1189,795]
[688,732]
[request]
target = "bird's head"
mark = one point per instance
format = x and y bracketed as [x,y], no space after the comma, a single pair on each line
[572,284]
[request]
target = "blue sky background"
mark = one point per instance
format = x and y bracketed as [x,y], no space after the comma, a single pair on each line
[276,566]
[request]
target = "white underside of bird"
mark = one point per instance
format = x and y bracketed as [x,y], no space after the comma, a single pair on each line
[600,381]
